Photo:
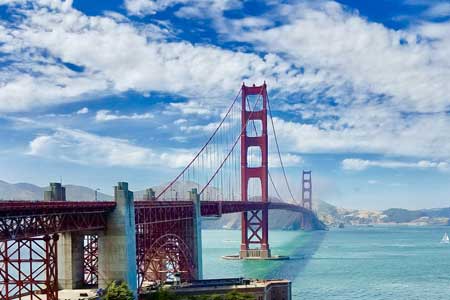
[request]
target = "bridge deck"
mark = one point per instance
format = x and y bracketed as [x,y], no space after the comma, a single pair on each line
[23,219]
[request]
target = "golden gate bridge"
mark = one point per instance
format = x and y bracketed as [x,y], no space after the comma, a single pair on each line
[48,245]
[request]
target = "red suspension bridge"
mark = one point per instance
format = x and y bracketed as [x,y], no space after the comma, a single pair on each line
[50,245]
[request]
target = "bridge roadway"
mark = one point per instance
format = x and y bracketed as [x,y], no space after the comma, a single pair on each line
[25,219]
[86,243]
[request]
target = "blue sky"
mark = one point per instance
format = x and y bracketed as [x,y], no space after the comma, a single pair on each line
[95,92]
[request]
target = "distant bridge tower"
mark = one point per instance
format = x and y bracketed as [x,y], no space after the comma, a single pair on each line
[307,190]
[254,224]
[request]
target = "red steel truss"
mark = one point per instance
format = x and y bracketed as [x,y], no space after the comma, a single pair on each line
[164,234]
[255,225]
[24,219]
[217,208]
[165,240]
[28,267]
[90,263]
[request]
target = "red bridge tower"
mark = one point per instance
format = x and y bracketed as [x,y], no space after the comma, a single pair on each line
[307,190]
[254,224]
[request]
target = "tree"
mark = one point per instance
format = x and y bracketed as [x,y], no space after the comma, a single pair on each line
[162,294]
[118,291]
[238,296]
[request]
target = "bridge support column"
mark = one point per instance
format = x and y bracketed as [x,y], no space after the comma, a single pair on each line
[255,224]
[70,260]
[306,222]
[117,245]
[195,198]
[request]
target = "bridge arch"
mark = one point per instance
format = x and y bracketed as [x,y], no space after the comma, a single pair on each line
[167,255]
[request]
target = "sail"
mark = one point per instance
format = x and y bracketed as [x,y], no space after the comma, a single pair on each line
[445,239]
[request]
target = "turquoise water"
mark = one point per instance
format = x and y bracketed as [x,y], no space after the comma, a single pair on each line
[375,263]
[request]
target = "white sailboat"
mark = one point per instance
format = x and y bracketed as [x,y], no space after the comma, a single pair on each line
[445,239]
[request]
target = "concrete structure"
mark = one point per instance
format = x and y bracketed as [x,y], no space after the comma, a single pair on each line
[260,289]
[197,218]
[70,247]
[149,195]
[117,245]
[162,237]
[70,260]
[81,294]
[56,192]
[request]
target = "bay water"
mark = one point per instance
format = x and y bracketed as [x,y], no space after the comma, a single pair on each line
[374,263]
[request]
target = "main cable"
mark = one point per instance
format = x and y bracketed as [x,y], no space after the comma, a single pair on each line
[278,150]
[203,148]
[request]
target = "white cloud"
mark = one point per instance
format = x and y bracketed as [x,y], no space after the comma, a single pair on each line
[105,115]
[83,111]
[192,108]
[188,9]
[372,181]
[440,9]
[149,7]
[124,58]
[367,58]
[289,160]
[180,121]
[374,130]
[24,92]
[207,128]
[356,164]
[88,149]
[387,85]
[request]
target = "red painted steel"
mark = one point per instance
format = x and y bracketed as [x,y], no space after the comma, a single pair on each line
[25,207]
[217,208]
[90,263]
[28,267]
[165,240]
[255,227]
[164,235]
[24,219]
[307,190]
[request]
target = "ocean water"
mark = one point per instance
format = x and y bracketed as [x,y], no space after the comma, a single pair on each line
[375,263]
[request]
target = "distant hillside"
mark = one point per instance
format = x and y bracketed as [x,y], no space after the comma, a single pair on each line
[437,216]
[27,191]
[329,214]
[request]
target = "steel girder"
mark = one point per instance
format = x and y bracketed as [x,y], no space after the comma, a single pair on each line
[28,267]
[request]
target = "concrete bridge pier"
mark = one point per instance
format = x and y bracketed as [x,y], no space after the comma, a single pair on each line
[70,255]
[306,222]
[70,260]
[198,254]
[117,245]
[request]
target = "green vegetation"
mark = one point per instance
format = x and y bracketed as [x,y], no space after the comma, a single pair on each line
[400,215]
[118,291]
[168,295]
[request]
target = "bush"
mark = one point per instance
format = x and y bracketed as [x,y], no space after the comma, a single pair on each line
[238,296]
[118,291]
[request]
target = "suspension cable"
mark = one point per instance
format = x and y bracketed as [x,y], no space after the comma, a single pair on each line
[234,145]
[268,171]
[278,150]
[203,148]
[273,185]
